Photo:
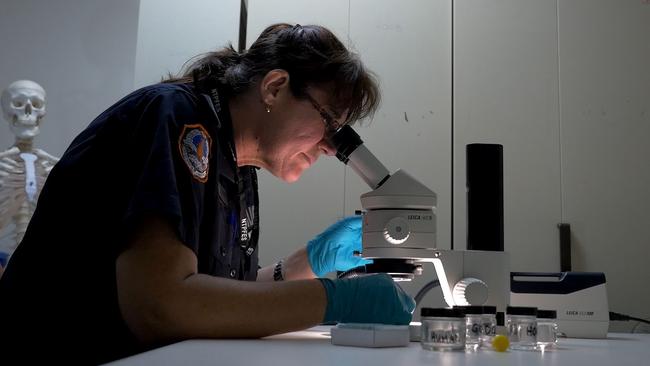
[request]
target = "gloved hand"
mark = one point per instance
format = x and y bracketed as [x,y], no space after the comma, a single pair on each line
[367,299]
[333,249]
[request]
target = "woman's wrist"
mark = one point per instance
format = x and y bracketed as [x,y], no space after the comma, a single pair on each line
[294,267]
[297,267]
[278,271]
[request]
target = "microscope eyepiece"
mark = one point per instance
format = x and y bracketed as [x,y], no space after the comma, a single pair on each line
[345,140]
[351,151]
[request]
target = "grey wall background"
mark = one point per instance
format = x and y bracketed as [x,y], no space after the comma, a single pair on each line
[410,131]
[564,85]
[170,32]
[81,51]
[506,92]
[292,214]
[604,54]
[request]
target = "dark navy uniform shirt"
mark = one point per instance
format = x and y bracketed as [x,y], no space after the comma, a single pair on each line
[163,150]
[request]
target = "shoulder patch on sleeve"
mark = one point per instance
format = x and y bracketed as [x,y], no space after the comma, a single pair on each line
[194,146]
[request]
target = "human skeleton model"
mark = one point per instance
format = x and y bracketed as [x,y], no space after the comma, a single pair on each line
[23,169]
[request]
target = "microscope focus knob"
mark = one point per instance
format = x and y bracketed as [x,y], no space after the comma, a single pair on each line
[397,230]
[470,291]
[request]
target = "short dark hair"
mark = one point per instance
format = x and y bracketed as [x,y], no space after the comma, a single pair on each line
[311,54]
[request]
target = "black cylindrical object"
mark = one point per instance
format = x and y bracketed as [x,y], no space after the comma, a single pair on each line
[565,247]
[345,140]
[485,197]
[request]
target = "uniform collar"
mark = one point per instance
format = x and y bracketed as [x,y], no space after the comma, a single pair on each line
[216,101]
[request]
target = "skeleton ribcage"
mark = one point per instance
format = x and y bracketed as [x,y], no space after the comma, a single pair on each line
[16,208]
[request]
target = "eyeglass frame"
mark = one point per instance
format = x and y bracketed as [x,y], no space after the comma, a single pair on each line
[330,122]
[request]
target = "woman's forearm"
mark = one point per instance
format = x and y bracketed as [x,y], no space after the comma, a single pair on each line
[294,267]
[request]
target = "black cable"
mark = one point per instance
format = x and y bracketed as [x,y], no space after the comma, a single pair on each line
[623,317]
[423,291]
[636,326]
[243,25]
[639,320]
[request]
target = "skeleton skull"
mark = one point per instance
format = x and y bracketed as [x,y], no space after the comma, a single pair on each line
[23,105]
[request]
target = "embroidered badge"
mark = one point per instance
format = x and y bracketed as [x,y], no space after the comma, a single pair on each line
[194,146]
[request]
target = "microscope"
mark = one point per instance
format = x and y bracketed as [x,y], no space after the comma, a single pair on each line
[399,233]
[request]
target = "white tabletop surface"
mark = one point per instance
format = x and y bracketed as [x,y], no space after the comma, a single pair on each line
[312,347]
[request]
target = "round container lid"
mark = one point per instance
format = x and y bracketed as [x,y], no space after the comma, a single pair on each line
[470,309]
[521,310]
[489,309]
[477,309]
[547,314]
[442,312]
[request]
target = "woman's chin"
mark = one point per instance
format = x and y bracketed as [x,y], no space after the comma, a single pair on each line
[292,171]
[291,177]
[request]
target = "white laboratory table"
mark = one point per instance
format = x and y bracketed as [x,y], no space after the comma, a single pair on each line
[312,347]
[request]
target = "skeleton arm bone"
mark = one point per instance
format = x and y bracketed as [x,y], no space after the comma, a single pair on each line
[11,186]
[9,167]
[11,176]
[8,163]
[45,156]
[47,161]
[12,152]
[10,200]
[47,166]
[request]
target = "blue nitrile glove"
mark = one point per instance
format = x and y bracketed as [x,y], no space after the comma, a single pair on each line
[367,299]
[332,250]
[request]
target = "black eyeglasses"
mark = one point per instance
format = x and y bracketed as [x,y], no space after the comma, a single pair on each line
[330,122]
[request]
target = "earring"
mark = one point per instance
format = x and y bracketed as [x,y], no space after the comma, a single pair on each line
[268,108]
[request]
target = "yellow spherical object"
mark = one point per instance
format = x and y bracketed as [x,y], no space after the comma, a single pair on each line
[500,343]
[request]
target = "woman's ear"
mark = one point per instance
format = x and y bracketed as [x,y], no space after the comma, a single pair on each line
[273,82]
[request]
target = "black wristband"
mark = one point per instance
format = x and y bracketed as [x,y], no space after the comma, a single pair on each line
[277,271]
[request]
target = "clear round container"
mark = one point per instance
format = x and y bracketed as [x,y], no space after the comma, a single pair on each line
[442,329]
[546,329]
[475,323]
[521,323]
[488,325]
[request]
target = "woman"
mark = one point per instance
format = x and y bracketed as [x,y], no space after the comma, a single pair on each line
[146,230]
